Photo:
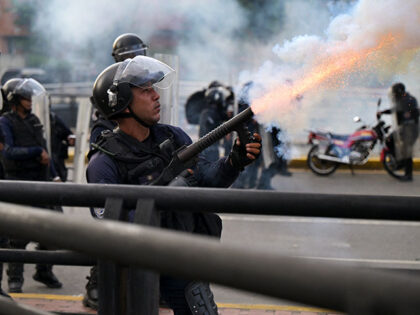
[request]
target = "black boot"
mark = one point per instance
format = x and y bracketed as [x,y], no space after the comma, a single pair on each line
[3,293]
[408,170]
[1,278]
[92,295]
[15,277]
[45,275]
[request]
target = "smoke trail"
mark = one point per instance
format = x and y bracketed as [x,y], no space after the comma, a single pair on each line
[373,39]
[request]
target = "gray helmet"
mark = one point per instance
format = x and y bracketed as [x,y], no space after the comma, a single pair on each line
[112,88]
[16,89]
[126,46]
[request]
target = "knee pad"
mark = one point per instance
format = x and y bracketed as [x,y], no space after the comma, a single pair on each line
[200,299]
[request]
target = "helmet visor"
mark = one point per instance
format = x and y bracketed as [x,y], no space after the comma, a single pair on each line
[134,51]
[142,71]
[29,88]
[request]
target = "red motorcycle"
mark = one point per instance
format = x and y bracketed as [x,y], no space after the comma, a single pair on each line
[330,150]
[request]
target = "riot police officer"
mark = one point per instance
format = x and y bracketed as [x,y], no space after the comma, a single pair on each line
[127,45]
[406,117]
[218,98]
[25,158]
[139,150]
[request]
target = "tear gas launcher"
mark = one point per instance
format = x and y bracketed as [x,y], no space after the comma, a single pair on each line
[185,157]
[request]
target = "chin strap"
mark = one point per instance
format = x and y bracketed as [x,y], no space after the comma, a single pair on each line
[132,115]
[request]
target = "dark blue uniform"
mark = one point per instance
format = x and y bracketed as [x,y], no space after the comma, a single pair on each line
[102,167]
[23,144]
[121,159]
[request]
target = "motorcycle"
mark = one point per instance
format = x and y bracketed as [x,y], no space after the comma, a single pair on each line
[330,150]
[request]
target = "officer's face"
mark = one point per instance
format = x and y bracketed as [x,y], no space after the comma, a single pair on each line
[26,104]
[146,104]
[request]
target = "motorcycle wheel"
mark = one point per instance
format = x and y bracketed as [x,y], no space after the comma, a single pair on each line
[320,167]
[392,166]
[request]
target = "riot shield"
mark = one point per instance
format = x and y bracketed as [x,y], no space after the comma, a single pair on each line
[194,106]
[82,143]
[41,108]
[397,136]
[169,97]
[267,147]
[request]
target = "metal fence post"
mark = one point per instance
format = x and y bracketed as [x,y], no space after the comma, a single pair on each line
[143,285]
[109,273]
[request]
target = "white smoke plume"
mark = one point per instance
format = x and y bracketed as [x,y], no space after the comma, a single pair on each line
[207,42]
[201,31]
[369,43]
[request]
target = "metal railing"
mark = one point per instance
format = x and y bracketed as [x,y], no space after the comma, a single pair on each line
[328,285]
[216,200]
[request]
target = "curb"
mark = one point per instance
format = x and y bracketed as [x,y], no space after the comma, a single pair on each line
[373,163]
[72,305]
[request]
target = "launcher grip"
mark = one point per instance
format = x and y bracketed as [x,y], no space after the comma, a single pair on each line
[185,157]
[233,124]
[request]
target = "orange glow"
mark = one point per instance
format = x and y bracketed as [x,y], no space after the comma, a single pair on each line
[332,70]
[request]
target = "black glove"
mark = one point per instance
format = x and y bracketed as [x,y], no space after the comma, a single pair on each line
[238,155]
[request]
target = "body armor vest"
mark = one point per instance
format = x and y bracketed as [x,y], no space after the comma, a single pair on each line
[140,164]
[27,132]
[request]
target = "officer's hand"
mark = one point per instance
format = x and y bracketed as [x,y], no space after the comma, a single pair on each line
[378,115]
[240,158]
[71,140]
[45,159]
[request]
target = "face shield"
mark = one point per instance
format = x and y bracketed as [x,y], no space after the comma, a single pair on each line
[142,71]
[29,88]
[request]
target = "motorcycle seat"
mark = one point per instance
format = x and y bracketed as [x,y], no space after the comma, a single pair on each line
[339,137]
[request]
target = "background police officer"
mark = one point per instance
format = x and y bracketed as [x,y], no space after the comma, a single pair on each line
[139,150]
[406,113]
[61,138]
[4,242]
[218,98]
[25,158]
